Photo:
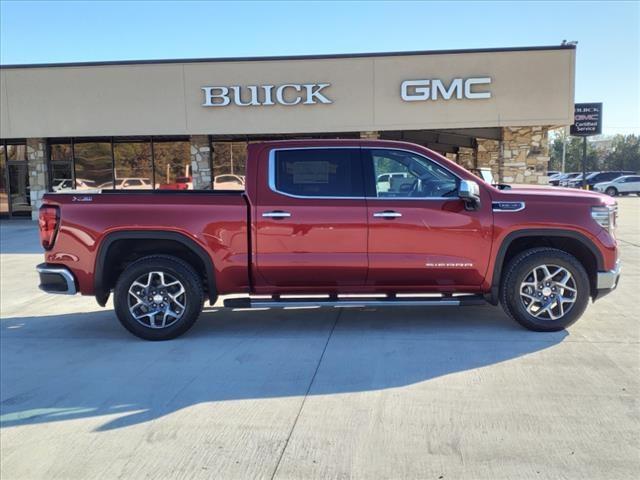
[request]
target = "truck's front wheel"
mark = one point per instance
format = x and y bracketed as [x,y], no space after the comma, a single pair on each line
[158,297]
[545,289]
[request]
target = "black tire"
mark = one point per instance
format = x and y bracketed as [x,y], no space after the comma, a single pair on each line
[611,191]
[179,270]
[517,271]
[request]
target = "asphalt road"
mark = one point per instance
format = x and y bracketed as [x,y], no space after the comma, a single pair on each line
[441,393]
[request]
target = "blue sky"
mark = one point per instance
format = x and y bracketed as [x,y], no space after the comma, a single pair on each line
[608,34]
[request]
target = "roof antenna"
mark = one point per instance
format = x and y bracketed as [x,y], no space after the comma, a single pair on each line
[572,43]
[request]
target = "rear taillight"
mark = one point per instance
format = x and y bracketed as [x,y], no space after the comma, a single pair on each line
[48,221]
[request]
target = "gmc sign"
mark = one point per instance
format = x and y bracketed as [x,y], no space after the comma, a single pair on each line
[423,90]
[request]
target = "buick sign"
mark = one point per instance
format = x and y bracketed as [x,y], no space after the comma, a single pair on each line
[263,95]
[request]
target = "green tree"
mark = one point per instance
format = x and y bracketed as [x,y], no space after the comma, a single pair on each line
[573,158]
[624,153]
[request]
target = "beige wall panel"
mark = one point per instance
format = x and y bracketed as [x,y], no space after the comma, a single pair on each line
[5,131]
[102,100]
[351,92]
[527,88]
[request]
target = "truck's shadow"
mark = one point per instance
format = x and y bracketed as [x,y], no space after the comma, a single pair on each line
[85,365]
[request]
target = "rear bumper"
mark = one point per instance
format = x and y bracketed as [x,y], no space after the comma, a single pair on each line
[56,279]
[607,281]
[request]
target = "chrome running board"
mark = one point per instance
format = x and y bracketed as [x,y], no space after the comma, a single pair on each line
[355,302]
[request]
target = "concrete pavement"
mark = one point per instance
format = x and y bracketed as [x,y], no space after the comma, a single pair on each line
[356,393]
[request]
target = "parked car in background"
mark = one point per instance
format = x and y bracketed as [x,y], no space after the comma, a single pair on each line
[567,182]
[135,183]
[557,181]
[555,178]
[552,173]
[620,186]
[228,182]
[61,184]
[598,177]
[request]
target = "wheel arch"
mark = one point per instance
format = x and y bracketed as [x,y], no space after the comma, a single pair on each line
[570,241]
[104,269]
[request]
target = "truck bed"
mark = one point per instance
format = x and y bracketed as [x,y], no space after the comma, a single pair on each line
[216,221]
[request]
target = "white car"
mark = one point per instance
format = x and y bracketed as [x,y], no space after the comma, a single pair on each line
[128,184]
[62,184]
[384,180]
[621,185]
[228,181]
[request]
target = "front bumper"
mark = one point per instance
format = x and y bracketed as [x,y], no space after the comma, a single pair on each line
[607,282]
[56,279]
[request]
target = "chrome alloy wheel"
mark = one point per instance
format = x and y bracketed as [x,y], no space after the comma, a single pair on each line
[548,292]
[157,299]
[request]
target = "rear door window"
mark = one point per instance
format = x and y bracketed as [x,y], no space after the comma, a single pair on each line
[318,172]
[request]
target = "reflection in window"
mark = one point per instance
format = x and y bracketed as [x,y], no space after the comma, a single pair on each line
[60,152]
[61,177]
[403,174]
[17,152]
[93,165]
[229,165]
[133,166]
[4,197]
[172,165]
[20,196]
[319,172]
[61,168]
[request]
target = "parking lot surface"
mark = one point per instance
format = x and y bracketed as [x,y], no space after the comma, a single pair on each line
[457,393]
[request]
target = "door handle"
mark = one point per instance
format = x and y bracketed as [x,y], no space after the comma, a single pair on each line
[387,214]
[276,214]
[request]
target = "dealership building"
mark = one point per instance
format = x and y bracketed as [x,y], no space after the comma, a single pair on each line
[181,124]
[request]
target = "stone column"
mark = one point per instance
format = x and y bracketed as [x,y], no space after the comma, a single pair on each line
[38,175]
[371,135]
[489,156]
[466,157]
[525,154]
[201,162]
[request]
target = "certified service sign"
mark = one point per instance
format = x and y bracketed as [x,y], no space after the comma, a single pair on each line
[587,119]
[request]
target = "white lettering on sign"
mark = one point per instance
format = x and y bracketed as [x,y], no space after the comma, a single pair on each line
[288,94]
[423,90]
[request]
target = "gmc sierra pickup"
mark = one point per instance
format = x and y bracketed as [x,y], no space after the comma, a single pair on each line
[331,222]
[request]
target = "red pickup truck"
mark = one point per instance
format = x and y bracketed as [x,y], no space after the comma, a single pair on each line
[332,222]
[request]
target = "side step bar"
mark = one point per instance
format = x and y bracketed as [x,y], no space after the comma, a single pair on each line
[280,302]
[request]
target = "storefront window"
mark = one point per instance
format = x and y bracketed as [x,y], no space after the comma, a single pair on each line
[93,164]
[172,165]
[16,152]
[229,165]
[61,167]
[139,163]
[133,166]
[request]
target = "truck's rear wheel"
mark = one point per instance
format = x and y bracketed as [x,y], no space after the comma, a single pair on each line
[545,289]
[158,297]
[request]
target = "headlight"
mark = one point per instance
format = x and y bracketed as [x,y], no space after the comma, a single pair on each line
[606,217]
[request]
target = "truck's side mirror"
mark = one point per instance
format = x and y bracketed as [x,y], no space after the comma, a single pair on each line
[469,191]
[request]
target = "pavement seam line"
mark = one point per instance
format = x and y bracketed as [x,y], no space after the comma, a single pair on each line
[313,378]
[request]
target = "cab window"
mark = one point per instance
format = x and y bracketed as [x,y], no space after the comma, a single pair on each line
[401,174]
[319,172]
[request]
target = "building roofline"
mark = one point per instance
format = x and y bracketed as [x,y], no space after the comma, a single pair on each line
[291,57]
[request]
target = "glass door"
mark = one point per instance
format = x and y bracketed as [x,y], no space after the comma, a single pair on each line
[15,198]
[19,196]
